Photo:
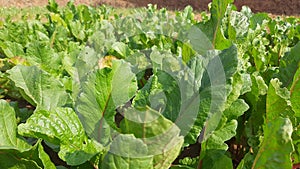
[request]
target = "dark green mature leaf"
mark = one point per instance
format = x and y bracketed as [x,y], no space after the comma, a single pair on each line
[289,65]
[276,148]
[35,157]
[102,93]
[14,151]
[38,87]
[8,129]
[295,93]
[246,162]
[127,152]
[181,167]
[11,161]
[215,159]
[213,29]
[61,126]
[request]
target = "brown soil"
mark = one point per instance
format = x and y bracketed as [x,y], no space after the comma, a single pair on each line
[279,7]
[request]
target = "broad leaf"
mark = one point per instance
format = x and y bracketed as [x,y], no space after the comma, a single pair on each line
[276,101]
[36,157]
[218,137]
[38,87]
[8,129]
[295,93]
[127,152]
[159,134]
[62,127]
[215,87]
[236,109]
[14,151]
[42,55]
[213,29]
[276,148]
[215,159]
[289,65]
[101,94]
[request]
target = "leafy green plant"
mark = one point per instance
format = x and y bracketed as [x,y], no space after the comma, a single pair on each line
[83,88]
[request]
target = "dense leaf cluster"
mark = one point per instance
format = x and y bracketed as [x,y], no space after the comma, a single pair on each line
[106,90]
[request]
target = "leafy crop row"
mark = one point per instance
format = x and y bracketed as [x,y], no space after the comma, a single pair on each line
[82,87]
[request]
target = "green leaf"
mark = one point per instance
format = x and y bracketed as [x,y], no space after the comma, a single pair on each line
[276,148]
[240,23]
[289,65]
[61,126]
[276,101]
[216,84]
[8,129]
[218,137]
[236,109]
[101,94]
[10,160]
[12,49]
[213,29]
[295,93]
[121,49]
[247,161]
[129,153]
[159,134]
[14,151]
[199,41]
[43,56]
[77,30]
[181,167]
[216,158]
[38,87]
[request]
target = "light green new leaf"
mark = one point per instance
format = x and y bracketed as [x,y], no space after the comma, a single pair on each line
[218,137]
[8,129]
[276,100]
[61,126]
[101,94]
[240,23]
[43,56]
[127,152]
[11,49]
[38,87]
[295,93]
[121,49]
[276,148]
[236,109]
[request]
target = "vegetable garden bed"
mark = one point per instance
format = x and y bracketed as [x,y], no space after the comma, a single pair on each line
[87,87]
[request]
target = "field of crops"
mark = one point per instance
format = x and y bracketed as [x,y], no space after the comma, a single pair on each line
[94,87]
